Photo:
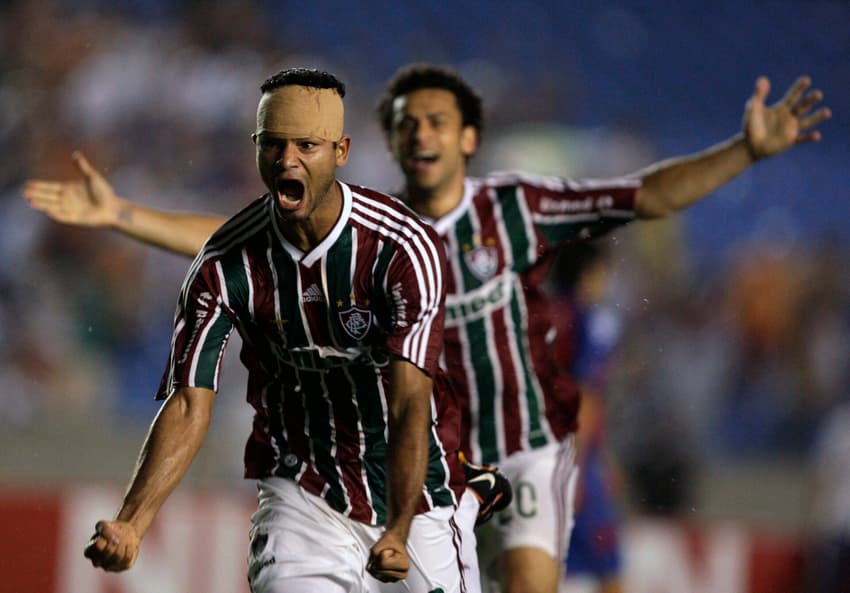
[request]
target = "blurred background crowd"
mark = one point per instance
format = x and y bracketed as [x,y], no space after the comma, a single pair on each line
[728,393]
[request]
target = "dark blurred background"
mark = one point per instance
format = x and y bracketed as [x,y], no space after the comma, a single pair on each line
[728,397]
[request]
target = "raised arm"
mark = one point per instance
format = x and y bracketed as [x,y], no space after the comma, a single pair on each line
[407,461]
[93,203]
[172,442]
[677,183]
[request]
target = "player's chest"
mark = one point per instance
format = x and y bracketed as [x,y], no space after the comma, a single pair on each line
[313,305]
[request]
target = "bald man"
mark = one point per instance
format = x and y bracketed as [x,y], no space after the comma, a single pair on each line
[337,292]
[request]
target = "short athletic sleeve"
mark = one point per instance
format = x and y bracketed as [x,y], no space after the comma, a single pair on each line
[566,209]
[201,331]
[416,295]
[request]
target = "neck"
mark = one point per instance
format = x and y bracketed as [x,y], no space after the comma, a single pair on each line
[435,203]
[306,234]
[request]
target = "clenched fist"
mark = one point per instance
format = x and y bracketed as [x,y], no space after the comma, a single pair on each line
[114,546]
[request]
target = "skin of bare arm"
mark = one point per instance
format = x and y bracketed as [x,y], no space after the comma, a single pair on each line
[173,440]
[407,459]
[93,203]
[677,183]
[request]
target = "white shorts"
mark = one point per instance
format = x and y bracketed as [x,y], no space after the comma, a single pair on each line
[300,545]
[541,512]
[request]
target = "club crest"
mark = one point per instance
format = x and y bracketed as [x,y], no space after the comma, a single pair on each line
[482,262]
[356,322]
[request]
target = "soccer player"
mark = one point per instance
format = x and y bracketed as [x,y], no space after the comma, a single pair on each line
[337,292]
[501,233]
[588,332]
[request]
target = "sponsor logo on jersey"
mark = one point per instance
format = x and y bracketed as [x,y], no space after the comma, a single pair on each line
[602,202]
[475,304]
[399,305]
[482,262]
[356,321]
[313,294]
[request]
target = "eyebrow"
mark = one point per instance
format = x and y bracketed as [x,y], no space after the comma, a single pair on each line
[430,115]
[273,136]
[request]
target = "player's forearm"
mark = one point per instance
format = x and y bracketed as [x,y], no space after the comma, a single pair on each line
[407,448]
[674,184]
[183,233]
[172,442]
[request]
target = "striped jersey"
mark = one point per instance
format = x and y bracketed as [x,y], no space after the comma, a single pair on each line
[318,330]
[500,242]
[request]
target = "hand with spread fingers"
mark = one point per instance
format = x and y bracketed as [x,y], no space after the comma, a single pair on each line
[114,546]
[770,130]
[388,560]
[90,202]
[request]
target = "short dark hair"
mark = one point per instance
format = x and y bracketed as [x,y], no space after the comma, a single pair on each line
[317,79]
[427,76]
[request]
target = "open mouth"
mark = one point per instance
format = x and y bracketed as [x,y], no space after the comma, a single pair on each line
[423,158]
[289,193]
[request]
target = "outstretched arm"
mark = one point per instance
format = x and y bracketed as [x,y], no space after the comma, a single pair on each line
[409,412]
[172,442]
[93,203]
[677,183]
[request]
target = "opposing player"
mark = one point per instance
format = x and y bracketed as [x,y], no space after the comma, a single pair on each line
[337,292]
[588,332]
[501,233]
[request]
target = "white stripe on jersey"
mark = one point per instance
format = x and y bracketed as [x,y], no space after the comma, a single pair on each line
[492,349]
[178,328]
[275,283]
[454,251]
[364,479]
[526,346]
[415,344]
[411,220]
[332,436]
[202,336]
[415,341]
[519,291]
[417,338]
[443,459]
[528,223]
[238,228]
[250,282]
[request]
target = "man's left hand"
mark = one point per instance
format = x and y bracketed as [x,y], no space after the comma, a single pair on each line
[388,560]
[774,129]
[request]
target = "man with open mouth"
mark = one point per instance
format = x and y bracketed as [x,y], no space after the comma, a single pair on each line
[337,292]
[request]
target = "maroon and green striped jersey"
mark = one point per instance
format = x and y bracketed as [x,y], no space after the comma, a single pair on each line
[500,242]
[318,330]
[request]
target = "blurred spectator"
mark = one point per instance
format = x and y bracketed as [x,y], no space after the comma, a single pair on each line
[829,558]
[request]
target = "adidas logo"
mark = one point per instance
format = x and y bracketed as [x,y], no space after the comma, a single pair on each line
[312,294]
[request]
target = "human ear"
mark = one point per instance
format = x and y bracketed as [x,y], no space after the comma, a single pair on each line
[468,141]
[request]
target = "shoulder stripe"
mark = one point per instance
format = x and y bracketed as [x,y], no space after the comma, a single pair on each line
[244,225]
[428,277]
[414,230]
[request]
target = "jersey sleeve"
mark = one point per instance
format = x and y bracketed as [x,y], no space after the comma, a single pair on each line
[416,294]
[201,330]
[565,210]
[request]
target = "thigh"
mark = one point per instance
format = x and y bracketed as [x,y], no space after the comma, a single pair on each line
[436,564]
[541,512]
[297,546]
[531,535]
